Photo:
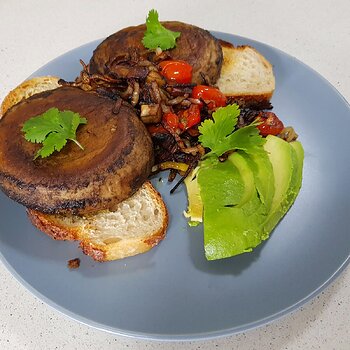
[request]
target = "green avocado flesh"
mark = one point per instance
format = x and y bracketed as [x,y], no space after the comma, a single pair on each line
[233,211]
[282,159]
[287,163]
[263,176]
[245,197]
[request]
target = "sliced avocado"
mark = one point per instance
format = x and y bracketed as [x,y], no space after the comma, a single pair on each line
[287,168]
[300,159]
[263,176]
[240,162]
[243,198]
[217,174]
[298,172]
[233,224]
[262,179]
[220,183]
[195,205]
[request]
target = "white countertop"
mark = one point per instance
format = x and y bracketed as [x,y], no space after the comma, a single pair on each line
[33,32]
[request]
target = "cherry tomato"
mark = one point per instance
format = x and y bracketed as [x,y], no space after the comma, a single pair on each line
[178,71]
[156,129]
[172,120]
[189,117]
[208,93]
[270,124]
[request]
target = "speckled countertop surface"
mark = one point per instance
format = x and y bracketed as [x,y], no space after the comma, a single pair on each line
[34,32]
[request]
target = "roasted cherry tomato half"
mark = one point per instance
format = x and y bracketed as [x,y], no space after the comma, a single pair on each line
[156,129]
[212,96]
[189,117]
[270,124]
[176,71]
[171,119]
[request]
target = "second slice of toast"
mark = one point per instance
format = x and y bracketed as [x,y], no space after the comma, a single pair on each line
[246,76]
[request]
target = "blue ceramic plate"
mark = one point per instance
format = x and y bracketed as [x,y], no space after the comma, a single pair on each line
[172,292]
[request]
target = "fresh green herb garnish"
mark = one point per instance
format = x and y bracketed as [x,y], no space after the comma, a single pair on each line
[218,134]
[52,128]
[157,35]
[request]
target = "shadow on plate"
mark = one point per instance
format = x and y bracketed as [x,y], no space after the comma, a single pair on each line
[127,266]
[229,266]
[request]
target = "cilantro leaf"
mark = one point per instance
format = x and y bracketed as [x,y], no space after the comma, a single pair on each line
[157,35]
[248,139]
[218,134]
[36,130]
[214,133]
[52,128]
[53,142]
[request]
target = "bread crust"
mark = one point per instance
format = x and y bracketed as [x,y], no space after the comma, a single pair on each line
[26,89]
[53,227]
[261,101]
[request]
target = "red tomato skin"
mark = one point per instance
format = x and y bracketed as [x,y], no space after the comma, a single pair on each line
[209,93]
[189,117]
[156,129]
[172,120]
[176,71]
[270,125]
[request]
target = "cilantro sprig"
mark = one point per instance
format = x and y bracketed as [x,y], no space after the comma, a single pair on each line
[218,134]
[53,129]
[157,35]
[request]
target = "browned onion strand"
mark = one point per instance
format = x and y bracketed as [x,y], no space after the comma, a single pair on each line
[128,92]
[165,108]
[135,94]
[175,101]
[155,92]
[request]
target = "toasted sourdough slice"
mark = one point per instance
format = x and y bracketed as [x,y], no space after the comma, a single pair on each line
[246,76]
[28,88]
[135,226]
